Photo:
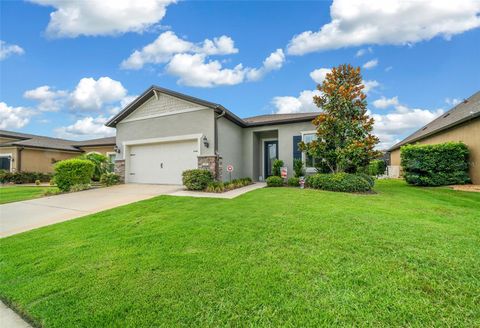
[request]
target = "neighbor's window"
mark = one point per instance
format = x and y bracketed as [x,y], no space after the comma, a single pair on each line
[309,160]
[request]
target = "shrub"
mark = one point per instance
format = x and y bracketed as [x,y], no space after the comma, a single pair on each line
[37,182]
[435,165]
[100,162]
[80,187]
[368,178]
[24,177]
[196,179]
[276,167]
[375,167]
[294,182]
[298,168]
[215,186]
[72,172]
[109,179]
[274,181]
[344,182]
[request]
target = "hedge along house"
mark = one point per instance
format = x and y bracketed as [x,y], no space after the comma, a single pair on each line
[163,133]
[461,123]
[33,153]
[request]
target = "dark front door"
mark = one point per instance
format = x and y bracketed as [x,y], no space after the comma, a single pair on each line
[271,153]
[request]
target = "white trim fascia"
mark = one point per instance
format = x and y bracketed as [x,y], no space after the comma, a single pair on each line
[11,159]
[194,109]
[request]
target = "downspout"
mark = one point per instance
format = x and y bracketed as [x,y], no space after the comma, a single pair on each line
[19,159]
[216,129]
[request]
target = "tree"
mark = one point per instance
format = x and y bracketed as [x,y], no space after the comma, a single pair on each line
[344,140]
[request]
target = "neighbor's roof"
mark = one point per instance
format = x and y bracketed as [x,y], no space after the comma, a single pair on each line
[35,141]
[251,121]
[463,112]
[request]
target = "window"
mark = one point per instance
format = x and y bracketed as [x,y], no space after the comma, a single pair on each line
[5,162]
[309,160]
[111,159]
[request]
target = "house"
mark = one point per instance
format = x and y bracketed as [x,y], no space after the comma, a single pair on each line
[163,132]
[33,153]
[461,123]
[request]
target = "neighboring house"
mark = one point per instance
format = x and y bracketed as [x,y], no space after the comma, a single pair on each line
[32,153]
[162,133]
[461,123]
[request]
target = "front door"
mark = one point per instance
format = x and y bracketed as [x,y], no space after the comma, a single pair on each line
[271,154]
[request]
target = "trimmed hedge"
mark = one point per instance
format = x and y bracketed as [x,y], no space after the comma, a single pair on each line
[293,182]
[100,162]
[368,178]
[24,177]
[344,182]
[197,179]
[72,172]
[274,181]
[109,179]
[435,165]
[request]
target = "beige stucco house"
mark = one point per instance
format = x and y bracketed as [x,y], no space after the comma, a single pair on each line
[461,123]
[33,153]
[163,132]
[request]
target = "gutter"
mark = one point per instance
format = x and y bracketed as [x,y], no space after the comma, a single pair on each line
[216,128]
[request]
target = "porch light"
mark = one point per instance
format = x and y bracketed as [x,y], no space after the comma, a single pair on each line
[116,149]
[205,141]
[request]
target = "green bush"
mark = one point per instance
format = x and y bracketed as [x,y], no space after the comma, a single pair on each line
[215,186]
[344,182]
[298,168]
[368,178]
[72,172]
[37,182]
[109,179]
[293,182]
[24,177]
[435,165]
[376,167]
[274,181]
[80,187]
[197,179]
[276,167]
[100,162]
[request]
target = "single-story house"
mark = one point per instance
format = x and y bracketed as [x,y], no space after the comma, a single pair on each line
[163,133]
[461,123]
[33,153]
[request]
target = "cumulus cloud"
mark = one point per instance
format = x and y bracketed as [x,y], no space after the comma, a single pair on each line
[49,100]
[385,102]
[91,94]
[320,74]
[301,104]
[453,101]
[398,22]
[96,17]
[86,128]
[6,50]
[273,62]
[364,51]
[370,64]
[14,117]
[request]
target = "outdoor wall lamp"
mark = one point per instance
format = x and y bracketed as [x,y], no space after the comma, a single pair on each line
[205,141]
[116,149]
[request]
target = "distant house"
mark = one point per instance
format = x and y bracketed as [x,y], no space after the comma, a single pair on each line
[461,123]
[33,153]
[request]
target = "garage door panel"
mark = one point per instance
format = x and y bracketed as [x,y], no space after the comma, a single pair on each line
[162,163]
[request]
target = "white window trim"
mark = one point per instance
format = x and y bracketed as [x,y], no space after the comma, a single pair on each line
[304,159]
[11,159]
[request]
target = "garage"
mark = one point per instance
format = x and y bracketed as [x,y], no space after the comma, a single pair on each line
[161,163]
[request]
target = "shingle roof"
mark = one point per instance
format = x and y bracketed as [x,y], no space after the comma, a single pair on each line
[279,118]
[464,111]
[35,141]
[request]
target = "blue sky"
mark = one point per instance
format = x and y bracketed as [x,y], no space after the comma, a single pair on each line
[63,74]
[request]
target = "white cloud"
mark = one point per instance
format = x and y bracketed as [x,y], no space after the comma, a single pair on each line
[98,17]
[301,104]
[223,45]
[273,62]
[320,74]
[355,23]
[48,100]
[369,85]
[86,128]
[363,51]
[6,50]
[14,117]
[370,64]
[385,102]
[91,94]
[123,103]
[453,101]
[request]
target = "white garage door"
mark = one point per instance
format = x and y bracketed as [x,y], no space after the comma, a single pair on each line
[162,163]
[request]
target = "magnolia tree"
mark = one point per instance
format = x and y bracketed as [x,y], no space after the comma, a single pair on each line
[344,140]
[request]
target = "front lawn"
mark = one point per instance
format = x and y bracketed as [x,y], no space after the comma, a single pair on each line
[14,194]
[406,256]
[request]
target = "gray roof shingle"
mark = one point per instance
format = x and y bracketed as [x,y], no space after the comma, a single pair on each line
[280,118]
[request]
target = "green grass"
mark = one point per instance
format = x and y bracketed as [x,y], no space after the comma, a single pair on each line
[16,194]
[406,256]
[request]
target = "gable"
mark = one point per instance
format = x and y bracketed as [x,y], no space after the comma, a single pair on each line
[161,104]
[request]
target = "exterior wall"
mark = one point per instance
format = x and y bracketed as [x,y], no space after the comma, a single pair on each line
[468,133]
[39,160]
[104,150]
[253,149]
[230,144]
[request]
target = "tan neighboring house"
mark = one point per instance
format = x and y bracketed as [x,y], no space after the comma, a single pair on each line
[33,153]
[461,123]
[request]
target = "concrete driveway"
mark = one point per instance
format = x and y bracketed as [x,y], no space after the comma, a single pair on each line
[30,214]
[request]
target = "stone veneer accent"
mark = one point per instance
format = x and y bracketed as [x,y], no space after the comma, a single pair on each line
[120,169]
[211,163]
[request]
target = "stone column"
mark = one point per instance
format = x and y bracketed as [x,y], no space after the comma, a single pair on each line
[211,163]
[120,169]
